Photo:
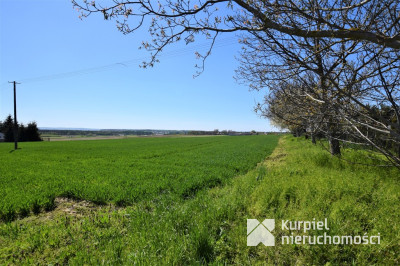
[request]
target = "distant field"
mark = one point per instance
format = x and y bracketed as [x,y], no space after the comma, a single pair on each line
[81,137]
[122,171]
[97,137]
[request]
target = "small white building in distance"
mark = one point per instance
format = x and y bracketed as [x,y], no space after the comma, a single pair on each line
[1,137]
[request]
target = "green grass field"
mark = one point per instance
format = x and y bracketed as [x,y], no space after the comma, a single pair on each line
[121,171]
[298,181]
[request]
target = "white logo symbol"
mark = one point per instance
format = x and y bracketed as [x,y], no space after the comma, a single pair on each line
[260,232]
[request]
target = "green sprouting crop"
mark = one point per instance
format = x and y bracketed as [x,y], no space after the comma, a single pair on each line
[121,171]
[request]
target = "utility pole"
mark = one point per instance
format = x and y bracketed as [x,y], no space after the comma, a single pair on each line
[15,115]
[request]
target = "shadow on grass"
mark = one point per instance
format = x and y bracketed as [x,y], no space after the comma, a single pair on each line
[14,150]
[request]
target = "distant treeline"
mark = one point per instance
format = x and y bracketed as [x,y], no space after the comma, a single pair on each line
[25,133]
[224,132]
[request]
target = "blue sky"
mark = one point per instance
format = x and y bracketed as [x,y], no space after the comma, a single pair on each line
[44,38]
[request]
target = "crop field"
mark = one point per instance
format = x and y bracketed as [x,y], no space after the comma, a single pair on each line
[121,171]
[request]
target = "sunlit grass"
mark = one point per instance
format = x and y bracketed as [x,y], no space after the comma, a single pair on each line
[297,182]
[121,171]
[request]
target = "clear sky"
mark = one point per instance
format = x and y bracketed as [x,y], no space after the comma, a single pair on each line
[44,38]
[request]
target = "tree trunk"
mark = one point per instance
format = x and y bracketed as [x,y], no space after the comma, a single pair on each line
[398,151]
[397,131]
[313,138]
[334,146]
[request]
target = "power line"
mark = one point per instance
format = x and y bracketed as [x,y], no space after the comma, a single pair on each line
[178,52]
